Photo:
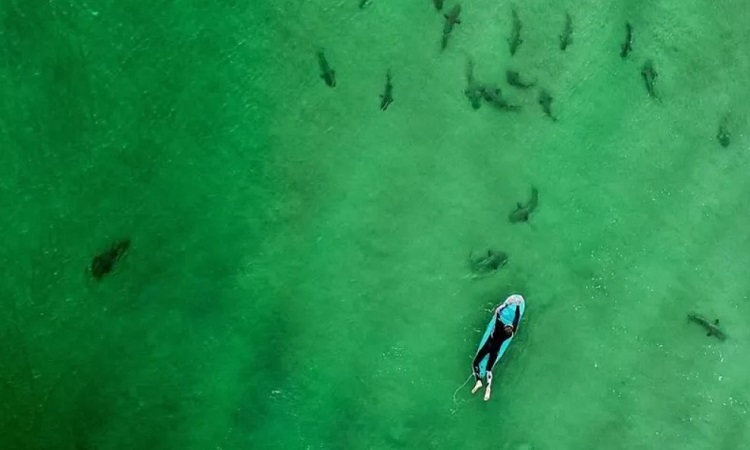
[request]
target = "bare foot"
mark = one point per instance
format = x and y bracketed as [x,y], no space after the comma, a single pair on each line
[477,386]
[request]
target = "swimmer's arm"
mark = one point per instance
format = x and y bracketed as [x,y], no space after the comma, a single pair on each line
[516,318]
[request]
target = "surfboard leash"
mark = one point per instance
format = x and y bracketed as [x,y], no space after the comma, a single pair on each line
[455,402]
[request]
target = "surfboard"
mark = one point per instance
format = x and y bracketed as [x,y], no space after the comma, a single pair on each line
[506,316]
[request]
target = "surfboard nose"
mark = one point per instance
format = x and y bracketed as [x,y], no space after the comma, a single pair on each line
[515,298]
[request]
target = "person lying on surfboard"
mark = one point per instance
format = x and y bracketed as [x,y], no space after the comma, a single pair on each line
[500,333]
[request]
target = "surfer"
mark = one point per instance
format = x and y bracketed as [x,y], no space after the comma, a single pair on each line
[500,333]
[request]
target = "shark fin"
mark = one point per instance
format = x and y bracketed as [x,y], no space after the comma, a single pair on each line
[709,333]
[716,322]
[520,206]
[458,20]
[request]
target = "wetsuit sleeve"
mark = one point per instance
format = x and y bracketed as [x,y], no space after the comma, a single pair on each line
[517,317]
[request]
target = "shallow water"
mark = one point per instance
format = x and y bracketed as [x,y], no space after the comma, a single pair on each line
[298,270]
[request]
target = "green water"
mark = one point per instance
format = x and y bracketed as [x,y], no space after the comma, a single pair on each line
[297,275]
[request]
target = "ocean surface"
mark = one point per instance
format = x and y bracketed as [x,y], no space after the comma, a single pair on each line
[298,275]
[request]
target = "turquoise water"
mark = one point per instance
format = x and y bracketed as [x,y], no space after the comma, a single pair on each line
[298,270]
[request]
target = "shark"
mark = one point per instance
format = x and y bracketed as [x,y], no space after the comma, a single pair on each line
[386,98]
[523,211]
[566,38]
[515,41]
[326,72]
[513,78]
[711,327]
[452,18]
[649,74]
[627,46]
[545,100]
[104,262]
[723,135]
[484,264]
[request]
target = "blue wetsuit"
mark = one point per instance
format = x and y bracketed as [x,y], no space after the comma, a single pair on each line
[494,342]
